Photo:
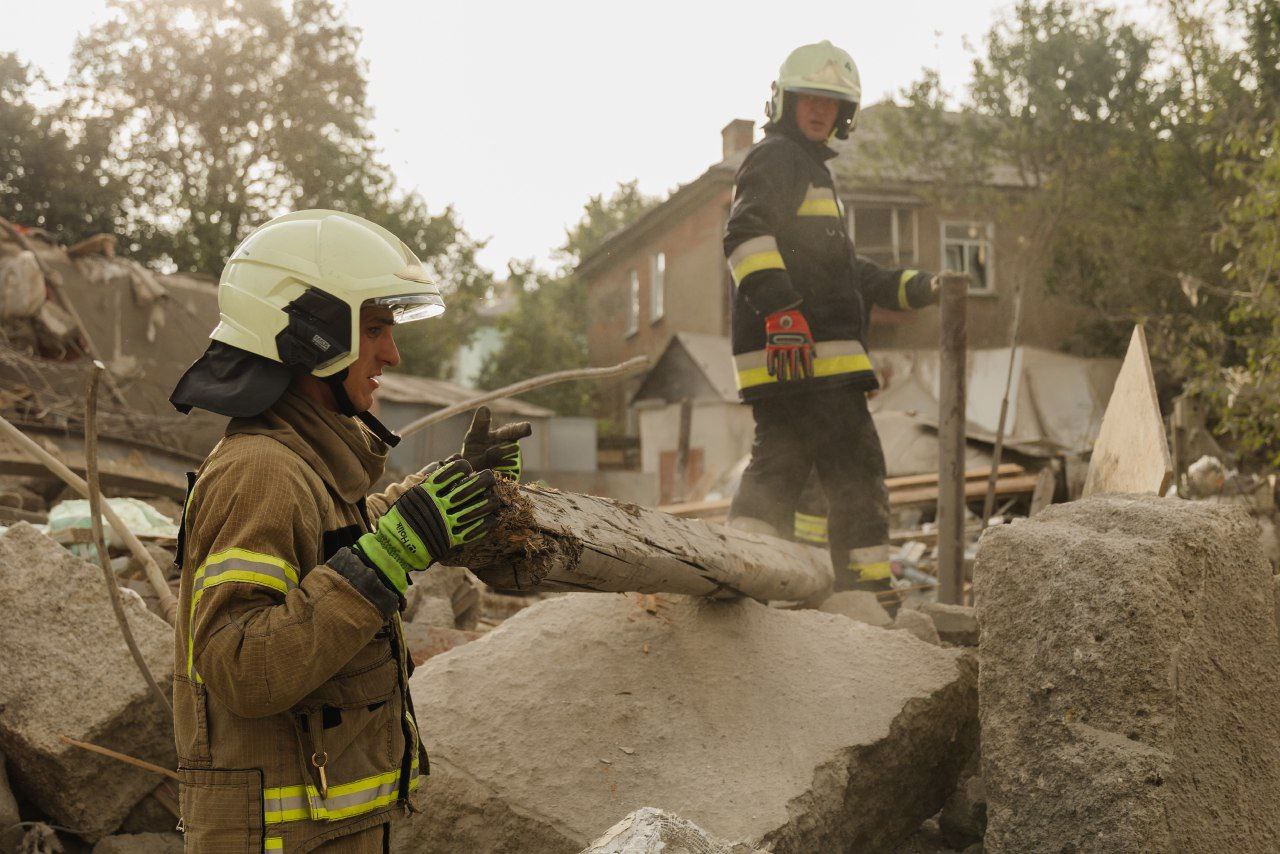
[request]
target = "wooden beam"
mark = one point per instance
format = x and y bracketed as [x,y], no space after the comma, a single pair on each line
[579,542]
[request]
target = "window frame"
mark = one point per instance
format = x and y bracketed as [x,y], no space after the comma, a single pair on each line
[657,286]
[988,238]
[895,229]
[633,303]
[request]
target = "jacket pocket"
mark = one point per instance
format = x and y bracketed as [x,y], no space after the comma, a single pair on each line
[221,810]
[191,722]
[351,743]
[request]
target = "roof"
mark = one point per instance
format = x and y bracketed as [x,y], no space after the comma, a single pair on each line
[856,162]
[858,158]
[406,388]
[709,358]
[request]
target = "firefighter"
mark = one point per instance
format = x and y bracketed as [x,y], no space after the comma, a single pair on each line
[801,308]
[292,715]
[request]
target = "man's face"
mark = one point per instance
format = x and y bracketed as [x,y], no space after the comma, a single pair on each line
[816,116]
[377,351]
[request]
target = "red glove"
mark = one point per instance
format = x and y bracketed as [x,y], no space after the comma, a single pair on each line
[788,349]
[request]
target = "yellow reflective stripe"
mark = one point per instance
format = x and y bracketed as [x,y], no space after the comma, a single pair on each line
[872,571]
[756,263]
[872,562]
[819,201]
[907,276]
[296,803]
[273,843]
[235,565]
[819,207]
[822,367]
[811,528]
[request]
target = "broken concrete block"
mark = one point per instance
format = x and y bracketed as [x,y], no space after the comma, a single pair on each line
[454,585]
[432,611]
[956,624]
[68,672]
[1129,663]
[140,843]
[424,641]
[8,811]
[652,831]
[963,820]
[794,731]
[917,624]
[860,605]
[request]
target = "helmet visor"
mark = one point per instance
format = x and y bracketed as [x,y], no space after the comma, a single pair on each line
[406,308]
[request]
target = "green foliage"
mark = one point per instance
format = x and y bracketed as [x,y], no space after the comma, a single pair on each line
[187,124]
[1145,183]
[601,217]
[547,329]
[49,177]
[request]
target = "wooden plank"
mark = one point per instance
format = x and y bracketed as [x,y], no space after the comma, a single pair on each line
[1042,496]
[1132,452]
[581,542]
[932,477]
[973,490]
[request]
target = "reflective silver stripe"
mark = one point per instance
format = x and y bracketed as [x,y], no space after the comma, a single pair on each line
[754,246]
[243,565]
[869,554]
[823,349]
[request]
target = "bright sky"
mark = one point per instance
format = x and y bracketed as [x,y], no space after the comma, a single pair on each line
[516,112]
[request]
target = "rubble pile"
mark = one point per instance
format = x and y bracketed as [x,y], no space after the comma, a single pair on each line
[1130,666]
[789,730]
[651,831]
[68,673]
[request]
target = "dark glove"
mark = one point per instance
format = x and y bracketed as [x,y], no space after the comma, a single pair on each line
[788,349]
[497,450]
[453,505]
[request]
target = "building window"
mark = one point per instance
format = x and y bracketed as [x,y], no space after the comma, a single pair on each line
[966,248]
[633,303]
[657,285]
[886,234]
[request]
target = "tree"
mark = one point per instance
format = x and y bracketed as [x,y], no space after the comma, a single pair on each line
[225,113]
[1114,203]
[1231,360]
[1149,182]
[547,329]
[48,177]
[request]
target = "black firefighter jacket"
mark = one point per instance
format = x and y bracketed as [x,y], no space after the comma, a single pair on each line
[788,246]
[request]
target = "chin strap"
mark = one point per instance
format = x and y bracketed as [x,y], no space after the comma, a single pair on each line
[346,407]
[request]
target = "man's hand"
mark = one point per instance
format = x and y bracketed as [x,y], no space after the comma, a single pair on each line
[788,350]
[453,505]
[497,450]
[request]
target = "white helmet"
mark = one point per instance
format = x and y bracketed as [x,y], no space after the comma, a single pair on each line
[289,300]
[293,288]
[819,69]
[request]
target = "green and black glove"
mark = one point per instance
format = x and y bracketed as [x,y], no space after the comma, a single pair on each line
[453,505]
[497,450]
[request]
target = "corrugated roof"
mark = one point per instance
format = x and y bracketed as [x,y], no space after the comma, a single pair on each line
[406,388]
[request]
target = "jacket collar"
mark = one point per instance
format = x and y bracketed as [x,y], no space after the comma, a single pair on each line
[339,448]
[819,151]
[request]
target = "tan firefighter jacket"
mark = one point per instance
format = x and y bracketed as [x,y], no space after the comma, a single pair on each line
[292,714]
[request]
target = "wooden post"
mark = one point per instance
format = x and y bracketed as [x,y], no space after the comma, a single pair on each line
[951,439]
[682,450]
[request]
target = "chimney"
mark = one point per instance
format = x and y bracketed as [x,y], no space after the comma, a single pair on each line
[737,136]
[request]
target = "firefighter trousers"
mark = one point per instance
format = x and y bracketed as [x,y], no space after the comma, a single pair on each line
[830,432]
